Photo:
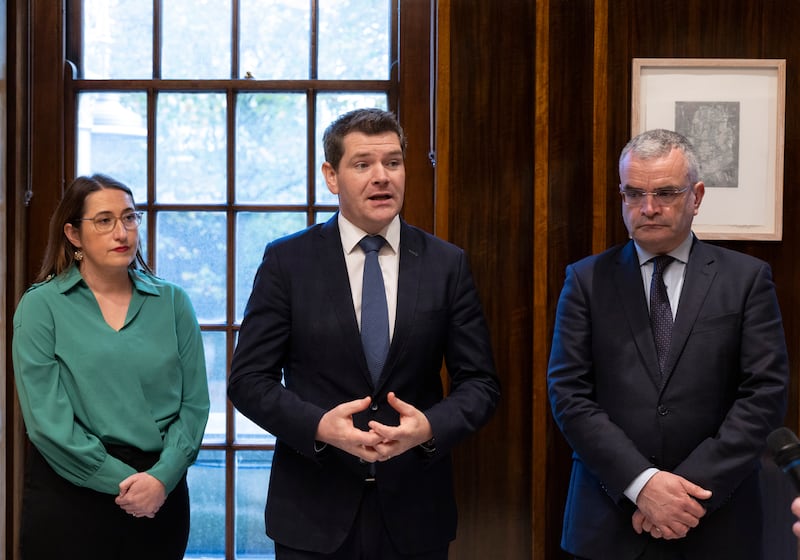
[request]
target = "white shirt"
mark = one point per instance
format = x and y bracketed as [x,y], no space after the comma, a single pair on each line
[673,275]
[388,259]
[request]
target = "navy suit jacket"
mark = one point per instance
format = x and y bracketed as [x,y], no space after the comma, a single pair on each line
[723,391]
[300,325]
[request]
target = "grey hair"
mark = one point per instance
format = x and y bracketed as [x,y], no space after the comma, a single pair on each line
[658,143]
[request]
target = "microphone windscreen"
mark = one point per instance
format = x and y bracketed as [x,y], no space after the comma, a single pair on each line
[784,446]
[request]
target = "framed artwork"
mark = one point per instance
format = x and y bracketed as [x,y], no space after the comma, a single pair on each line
[732,110]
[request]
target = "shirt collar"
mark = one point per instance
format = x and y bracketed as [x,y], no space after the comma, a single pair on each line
[352,234]
[679,253]
[72,277]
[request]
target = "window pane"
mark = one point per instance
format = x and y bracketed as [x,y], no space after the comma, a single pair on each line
[109,54]
[253,232]
[196,42]
[252,477]
[191,148]
[206,480]
[214,344]
[329,107]
[323,217]
[112,138]
[191,251]
[354,39]
[275,47]
[271,148]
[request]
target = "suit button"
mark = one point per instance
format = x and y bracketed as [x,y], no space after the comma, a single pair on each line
[374,407]
[663,410]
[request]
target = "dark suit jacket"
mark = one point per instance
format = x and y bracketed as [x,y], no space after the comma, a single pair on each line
[723,391]
[300,323]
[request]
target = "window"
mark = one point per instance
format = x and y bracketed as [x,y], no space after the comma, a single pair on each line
[212,111]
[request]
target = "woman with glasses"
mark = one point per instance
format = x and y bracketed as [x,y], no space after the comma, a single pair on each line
[110,372]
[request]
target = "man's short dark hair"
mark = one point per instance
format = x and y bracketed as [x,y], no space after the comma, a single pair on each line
[367,121]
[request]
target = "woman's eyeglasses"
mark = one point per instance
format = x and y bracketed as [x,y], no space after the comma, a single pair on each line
[105,222]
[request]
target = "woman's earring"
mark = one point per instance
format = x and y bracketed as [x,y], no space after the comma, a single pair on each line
[78,255]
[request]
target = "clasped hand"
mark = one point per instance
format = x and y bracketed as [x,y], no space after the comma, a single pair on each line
[381,442]
[141,495]
[668,506]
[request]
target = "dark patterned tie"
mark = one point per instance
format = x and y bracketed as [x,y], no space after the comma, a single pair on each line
[660,310]
[374,311]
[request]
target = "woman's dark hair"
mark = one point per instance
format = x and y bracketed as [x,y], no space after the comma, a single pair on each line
[60,253]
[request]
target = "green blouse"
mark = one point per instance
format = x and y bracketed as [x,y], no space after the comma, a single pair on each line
[82,384]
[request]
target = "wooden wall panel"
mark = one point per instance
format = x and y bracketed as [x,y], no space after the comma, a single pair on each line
[45,172]
[570,217]
[415,114]
[490,212]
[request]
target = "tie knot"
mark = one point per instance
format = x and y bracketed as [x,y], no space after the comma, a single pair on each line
[370,243]
[660,263]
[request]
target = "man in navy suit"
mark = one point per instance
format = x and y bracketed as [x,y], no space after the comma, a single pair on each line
[362,464]
[666,453]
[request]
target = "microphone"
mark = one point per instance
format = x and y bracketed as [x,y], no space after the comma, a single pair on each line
[785,448]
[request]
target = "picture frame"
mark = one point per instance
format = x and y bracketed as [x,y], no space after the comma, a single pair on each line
[732,110]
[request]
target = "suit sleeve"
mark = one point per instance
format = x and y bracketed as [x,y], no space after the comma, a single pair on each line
[184,435]
[474,386]
[255,387]
[721,462]
[600,443]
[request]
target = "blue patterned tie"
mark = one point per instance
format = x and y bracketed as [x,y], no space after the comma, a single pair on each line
[374,311]
[660,310]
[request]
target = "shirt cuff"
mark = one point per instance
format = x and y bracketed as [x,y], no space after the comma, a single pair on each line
[633,489]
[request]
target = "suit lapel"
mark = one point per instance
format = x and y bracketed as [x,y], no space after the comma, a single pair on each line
[407,290]
[628,279]
[333,268]
[700,272]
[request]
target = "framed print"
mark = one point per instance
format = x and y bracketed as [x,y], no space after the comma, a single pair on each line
[732,110]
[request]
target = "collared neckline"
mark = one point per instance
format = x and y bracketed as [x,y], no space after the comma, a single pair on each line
[679,253]
[352,234]
[72,277]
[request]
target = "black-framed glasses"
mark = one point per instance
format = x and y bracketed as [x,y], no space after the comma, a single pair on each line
[664,196]
[105,222]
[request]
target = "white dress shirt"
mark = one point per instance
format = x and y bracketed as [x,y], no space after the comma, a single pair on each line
[388,258]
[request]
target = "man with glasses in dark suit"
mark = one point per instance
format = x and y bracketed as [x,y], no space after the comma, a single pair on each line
[667,372]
